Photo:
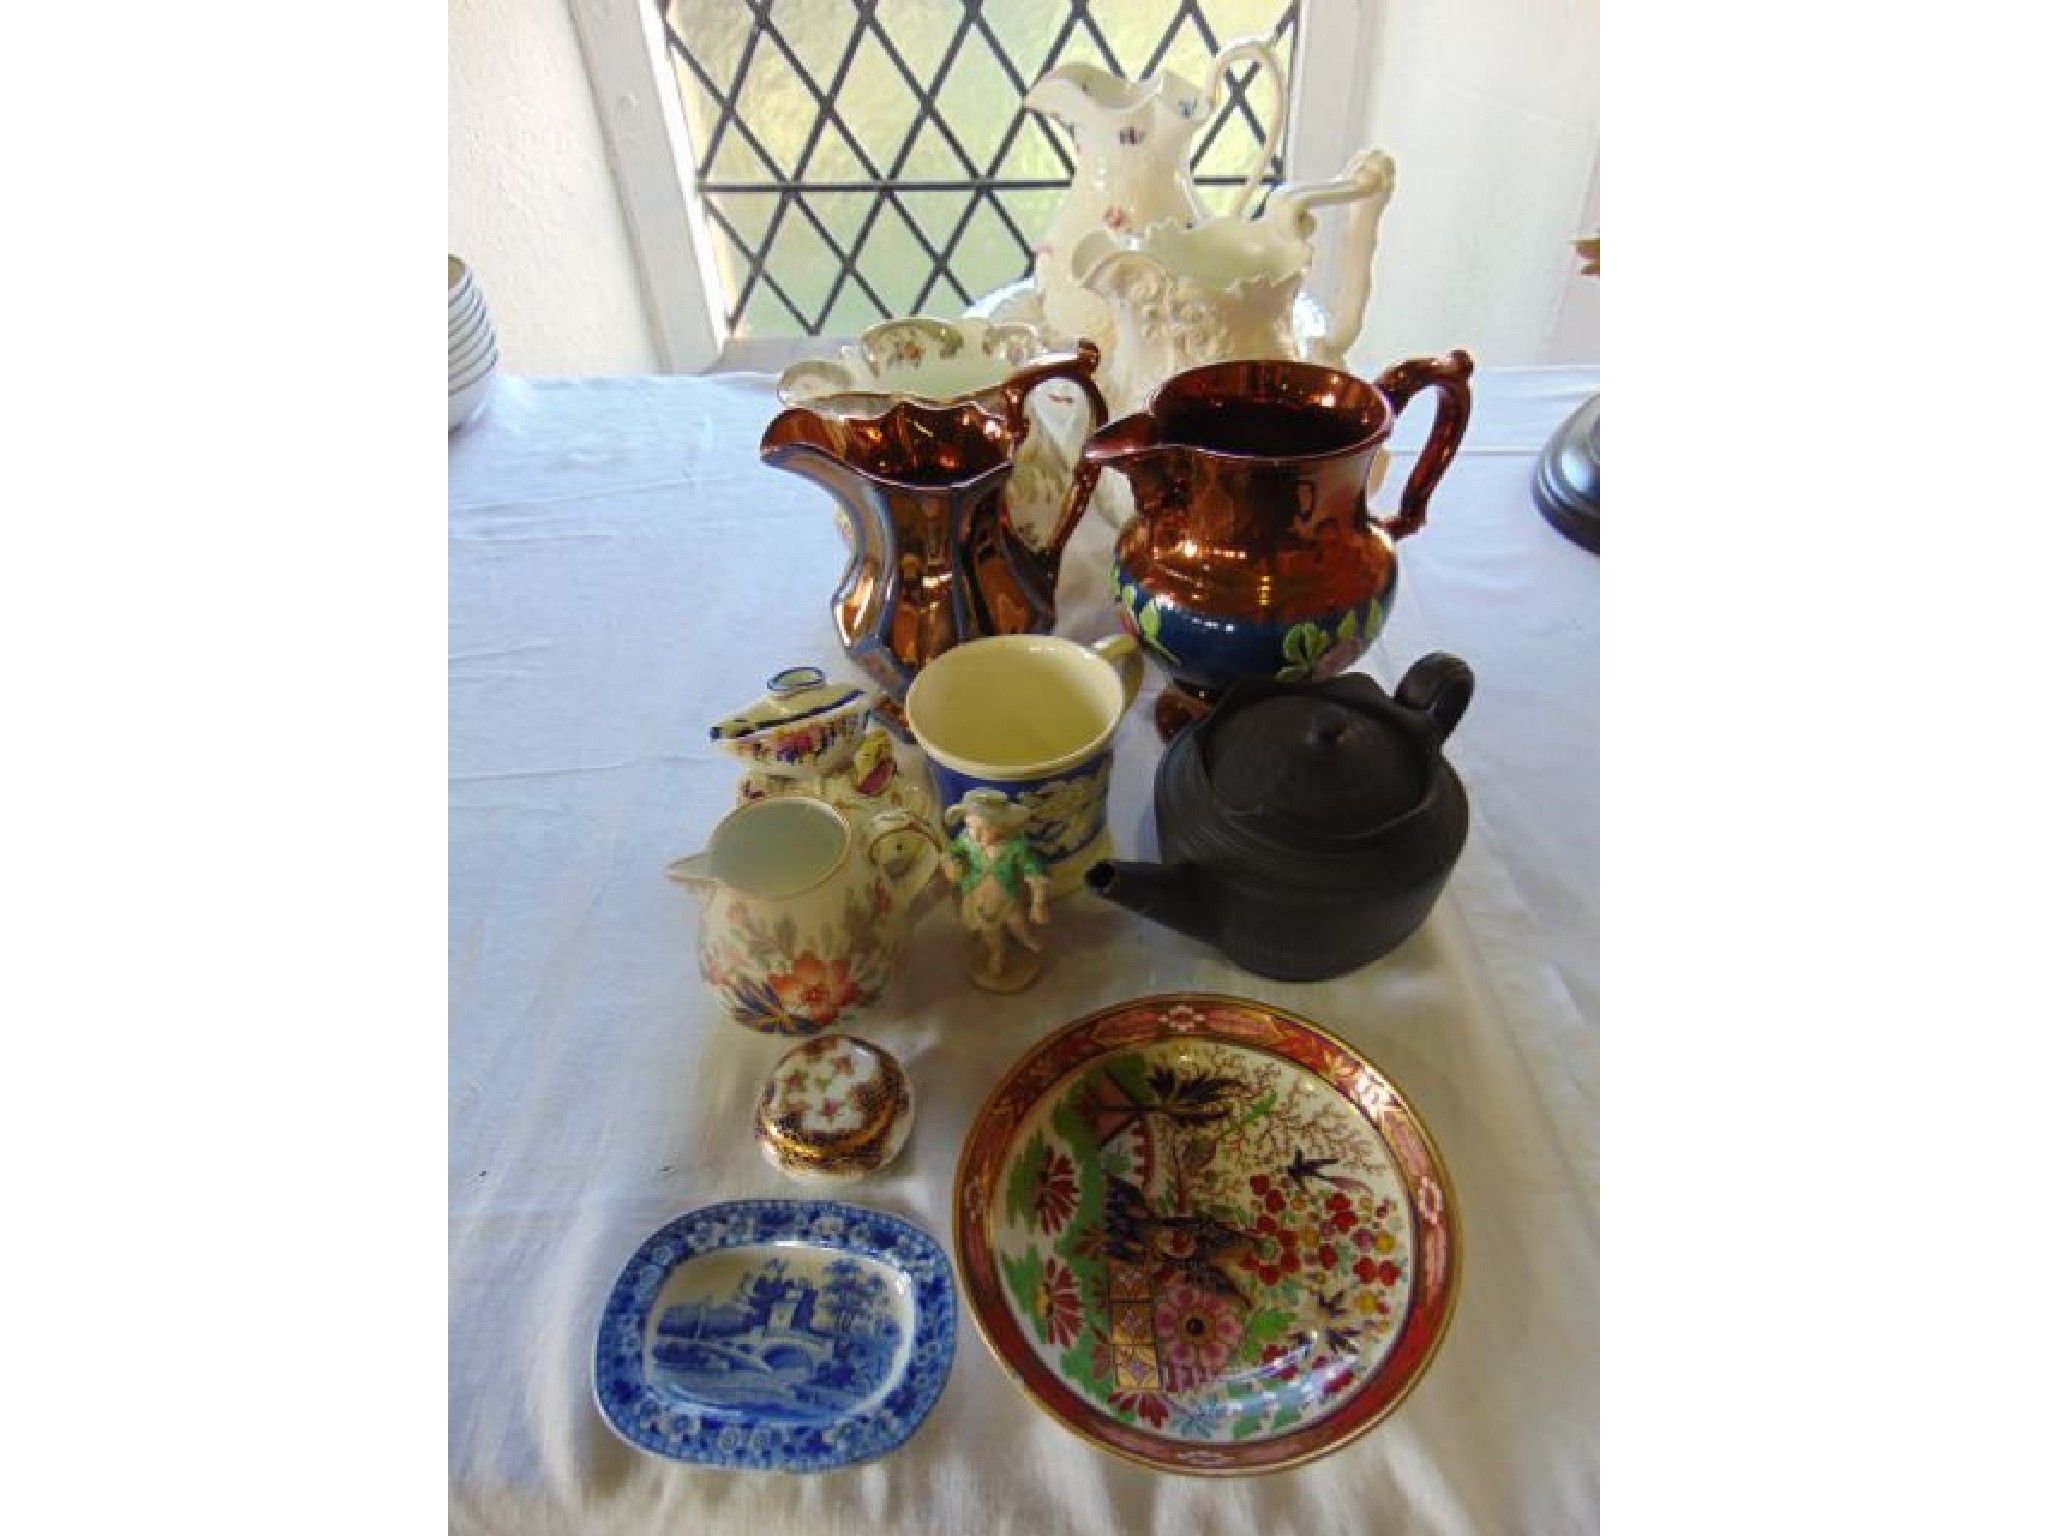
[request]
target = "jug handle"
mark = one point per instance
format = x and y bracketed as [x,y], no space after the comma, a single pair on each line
[1450,376]
[1077,367]
[1261,51]
[1367,184]
[904,885]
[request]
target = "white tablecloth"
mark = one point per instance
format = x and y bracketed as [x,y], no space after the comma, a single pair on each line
[623,571]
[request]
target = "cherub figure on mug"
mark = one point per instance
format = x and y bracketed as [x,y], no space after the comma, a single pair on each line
[1004,890]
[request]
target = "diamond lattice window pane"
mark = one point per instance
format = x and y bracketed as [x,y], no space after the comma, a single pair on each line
[865,158]
[876,103]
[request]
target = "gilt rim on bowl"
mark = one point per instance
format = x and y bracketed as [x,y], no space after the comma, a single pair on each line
[1206,1235]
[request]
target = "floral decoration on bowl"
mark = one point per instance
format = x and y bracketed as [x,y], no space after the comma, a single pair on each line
[1205,1235]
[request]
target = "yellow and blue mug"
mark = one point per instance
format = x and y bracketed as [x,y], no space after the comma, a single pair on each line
[1031,717]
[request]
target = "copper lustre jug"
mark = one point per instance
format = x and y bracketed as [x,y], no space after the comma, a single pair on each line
[934,556]
[1251,551]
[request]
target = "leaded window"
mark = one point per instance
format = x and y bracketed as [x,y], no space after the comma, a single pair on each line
[863,159]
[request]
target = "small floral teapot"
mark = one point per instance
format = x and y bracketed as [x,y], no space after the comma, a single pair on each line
[809,736]
[805,908]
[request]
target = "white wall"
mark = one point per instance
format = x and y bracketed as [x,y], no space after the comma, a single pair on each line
[531,202]
[1490,108]
[1575,338]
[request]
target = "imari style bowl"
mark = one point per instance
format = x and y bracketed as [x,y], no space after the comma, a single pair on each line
[1205,1235]
[786,1335]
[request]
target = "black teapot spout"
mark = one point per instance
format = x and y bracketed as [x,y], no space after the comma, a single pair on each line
[1168,894]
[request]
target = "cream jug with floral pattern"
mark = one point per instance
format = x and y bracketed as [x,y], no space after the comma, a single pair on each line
[1133,163]
[805,908]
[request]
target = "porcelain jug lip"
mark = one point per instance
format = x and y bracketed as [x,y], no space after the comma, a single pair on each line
[1227,253]
[918,357]
[734,855]
[1113,94]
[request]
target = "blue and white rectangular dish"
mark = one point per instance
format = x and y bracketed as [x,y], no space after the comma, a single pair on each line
[785,1335]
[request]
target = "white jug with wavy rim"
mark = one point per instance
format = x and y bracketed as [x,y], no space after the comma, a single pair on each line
[1133,151]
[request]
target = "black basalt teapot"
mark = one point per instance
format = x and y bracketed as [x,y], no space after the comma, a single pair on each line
[1306,828]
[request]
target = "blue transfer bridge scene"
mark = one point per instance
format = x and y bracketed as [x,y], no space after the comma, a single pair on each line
[782,1347]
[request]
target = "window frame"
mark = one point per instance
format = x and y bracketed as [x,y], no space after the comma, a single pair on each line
[640,110]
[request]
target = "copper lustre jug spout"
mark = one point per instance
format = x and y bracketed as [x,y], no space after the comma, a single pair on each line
[1123,442]
[934,557]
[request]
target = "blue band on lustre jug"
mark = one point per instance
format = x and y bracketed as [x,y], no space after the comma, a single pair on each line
[1208,651]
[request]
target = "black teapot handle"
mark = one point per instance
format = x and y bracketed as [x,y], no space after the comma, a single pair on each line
[1440,685]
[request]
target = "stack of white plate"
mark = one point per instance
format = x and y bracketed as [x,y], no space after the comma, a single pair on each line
[472,345]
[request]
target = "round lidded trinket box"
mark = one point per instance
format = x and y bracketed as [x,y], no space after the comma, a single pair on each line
[834,1108]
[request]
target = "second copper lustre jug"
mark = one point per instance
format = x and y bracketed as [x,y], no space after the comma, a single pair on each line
[1251,552]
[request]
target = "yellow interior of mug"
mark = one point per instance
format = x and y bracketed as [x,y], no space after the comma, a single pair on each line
[1014,702]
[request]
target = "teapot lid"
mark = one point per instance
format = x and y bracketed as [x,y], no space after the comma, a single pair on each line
[1314,764]
[795,693]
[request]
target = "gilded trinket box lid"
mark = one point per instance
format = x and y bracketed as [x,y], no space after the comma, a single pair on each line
[834,1107]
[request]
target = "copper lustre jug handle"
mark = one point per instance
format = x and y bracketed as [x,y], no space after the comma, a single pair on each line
[1078,367]
[1450,376]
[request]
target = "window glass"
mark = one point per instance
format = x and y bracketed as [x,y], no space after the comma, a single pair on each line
[864,159]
